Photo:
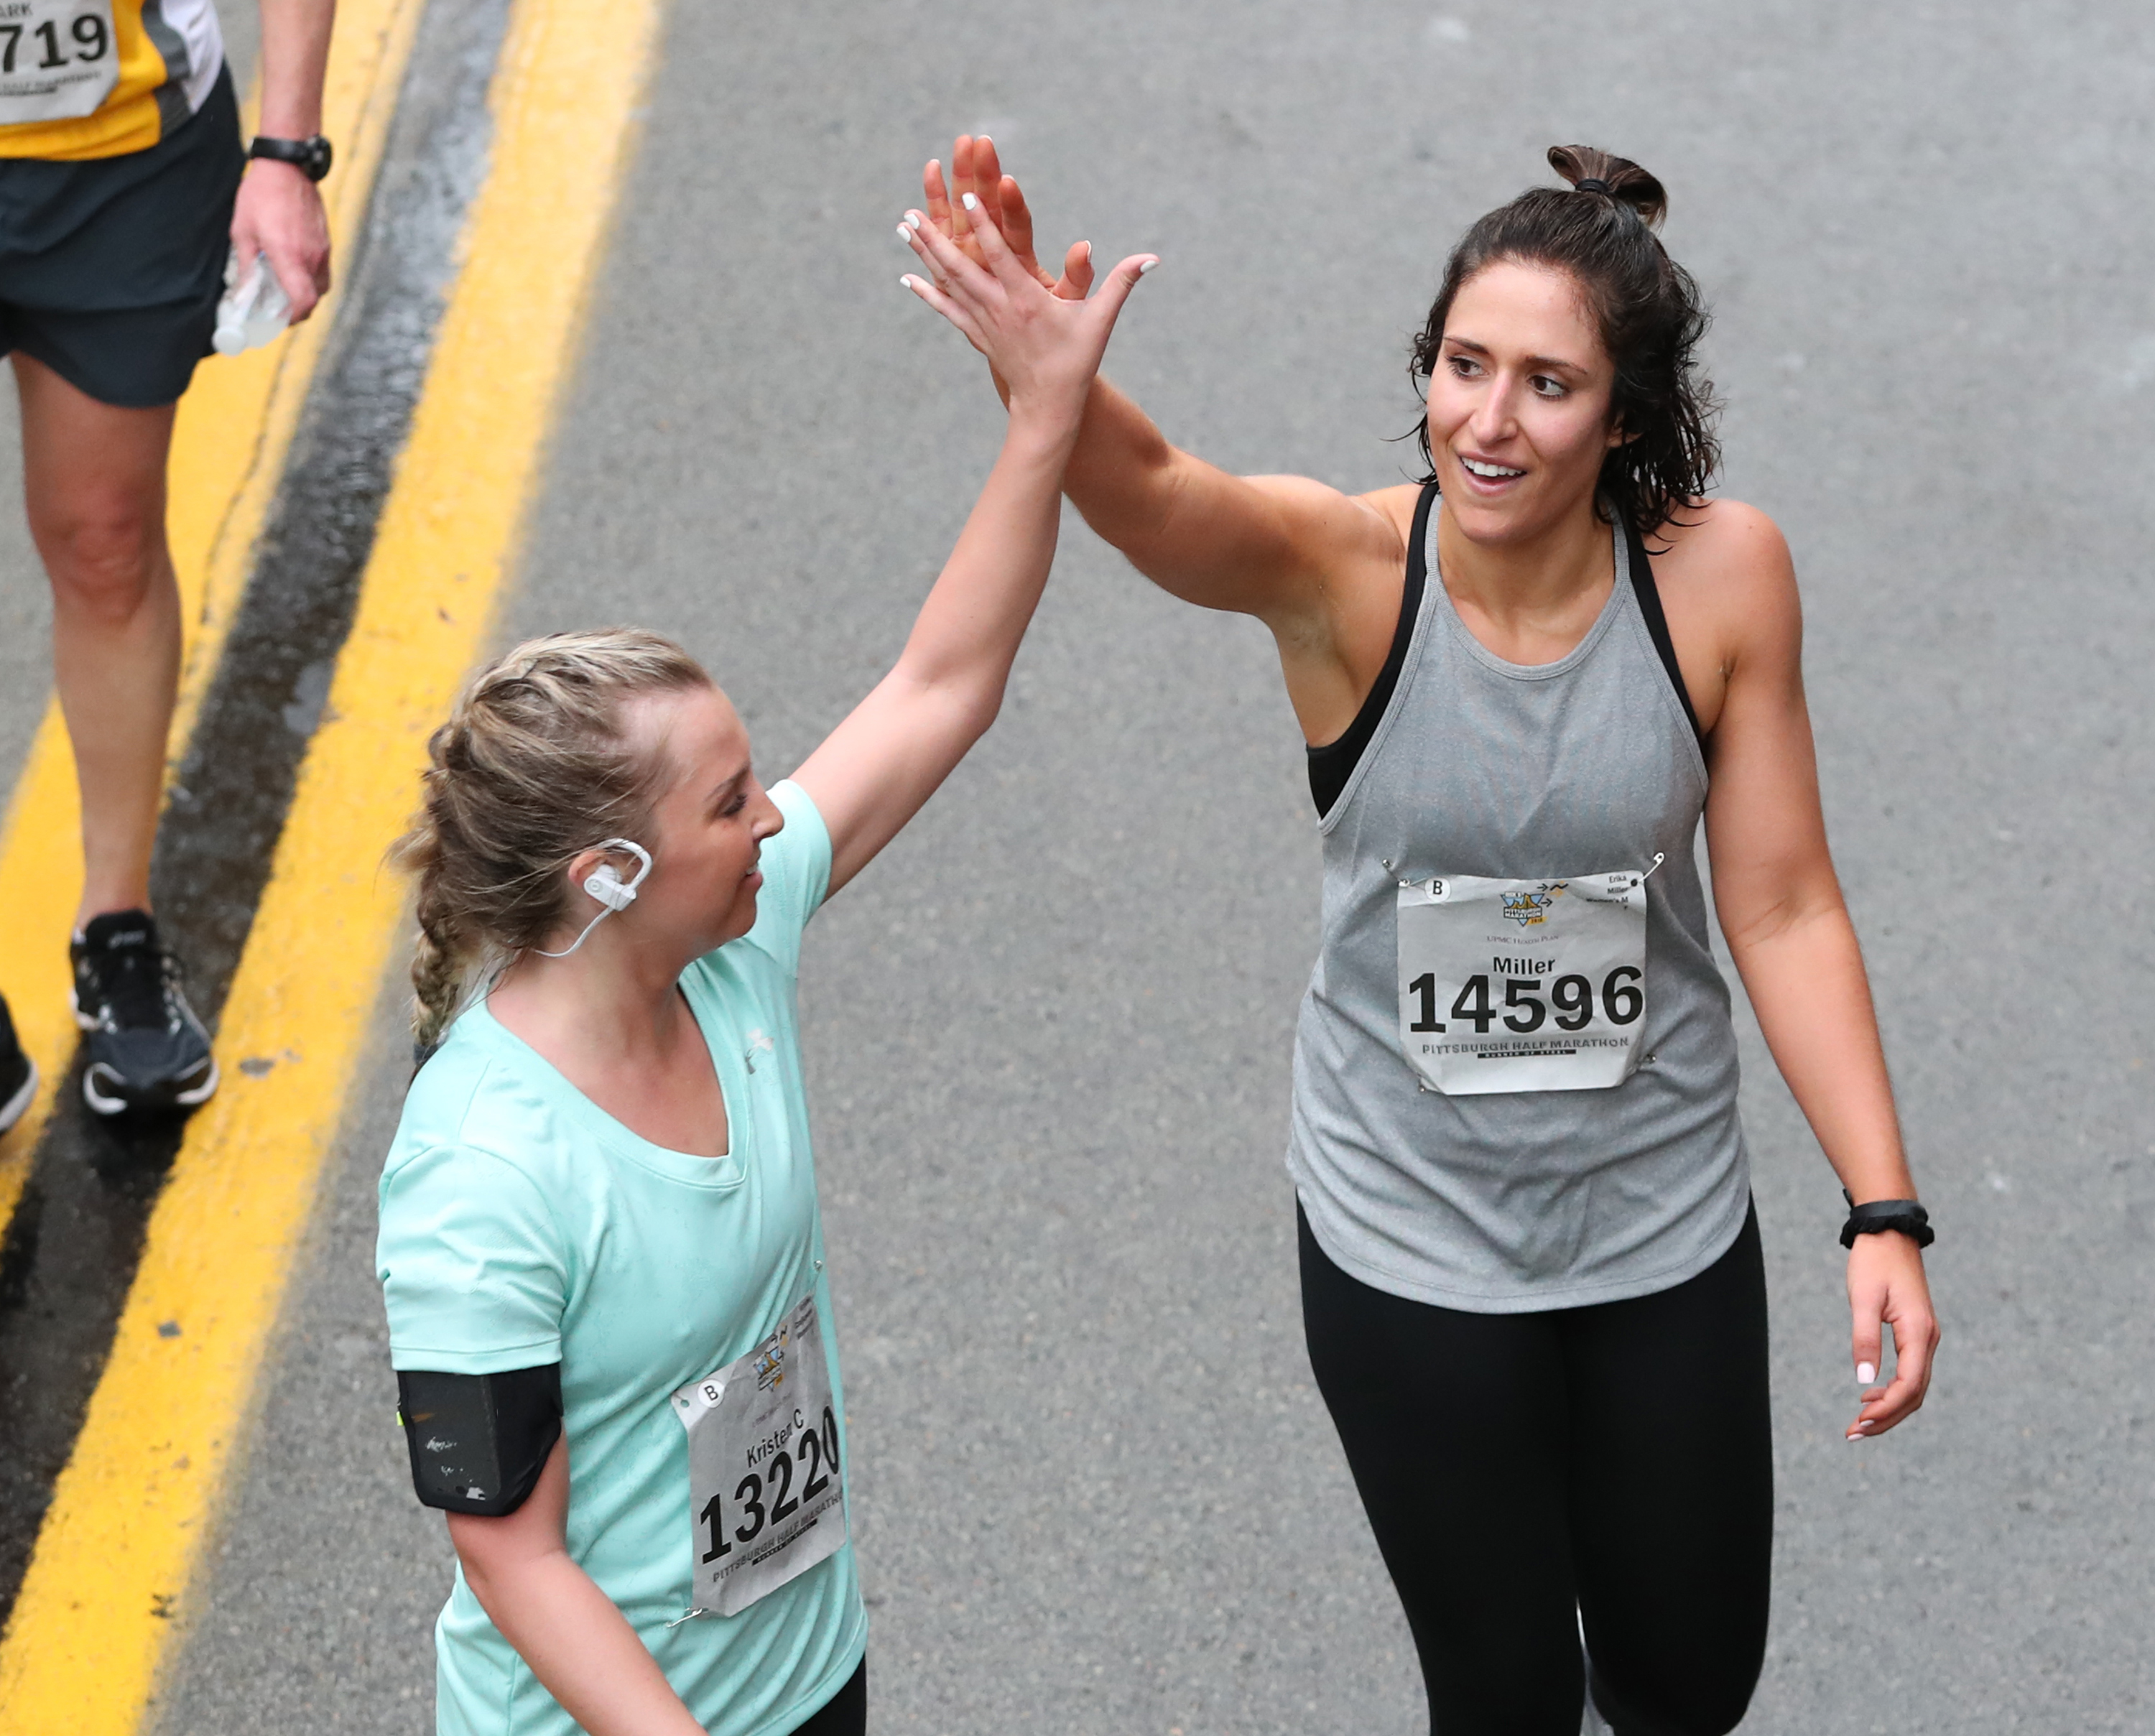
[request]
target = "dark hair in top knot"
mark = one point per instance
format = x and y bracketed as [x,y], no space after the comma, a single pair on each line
[1647,308]
[1618,177]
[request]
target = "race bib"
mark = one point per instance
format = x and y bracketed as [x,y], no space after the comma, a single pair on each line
[765,1495]
[1523,985]
[58,59]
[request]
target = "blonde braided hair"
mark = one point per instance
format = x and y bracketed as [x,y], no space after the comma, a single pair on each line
[533,766]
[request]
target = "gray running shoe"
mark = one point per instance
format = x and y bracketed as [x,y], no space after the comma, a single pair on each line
[147,1049]
[18,1073]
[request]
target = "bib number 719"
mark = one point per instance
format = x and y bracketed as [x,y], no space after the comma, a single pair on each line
[58,59]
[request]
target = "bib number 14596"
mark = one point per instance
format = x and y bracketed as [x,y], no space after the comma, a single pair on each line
[765,1496]
[1523,985]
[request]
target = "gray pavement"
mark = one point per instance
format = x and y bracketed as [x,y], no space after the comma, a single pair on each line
[1048,1034]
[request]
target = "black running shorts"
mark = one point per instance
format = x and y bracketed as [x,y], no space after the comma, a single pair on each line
[110,269]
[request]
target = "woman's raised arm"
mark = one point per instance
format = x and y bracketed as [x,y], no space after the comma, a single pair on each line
[877,768]
[1274,548]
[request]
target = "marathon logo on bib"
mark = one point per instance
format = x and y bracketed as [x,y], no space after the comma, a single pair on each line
[1523,985]
[766,1499]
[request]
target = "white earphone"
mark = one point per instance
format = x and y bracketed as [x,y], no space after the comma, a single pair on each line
[604,885]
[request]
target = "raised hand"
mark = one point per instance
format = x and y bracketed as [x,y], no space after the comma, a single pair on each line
[1045,345]
[976,169]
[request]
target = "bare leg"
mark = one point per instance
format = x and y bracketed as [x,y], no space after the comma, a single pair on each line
[94,478]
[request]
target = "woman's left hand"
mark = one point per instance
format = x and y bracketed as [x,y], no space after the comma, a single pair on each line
[1044,347]
[1887,1286]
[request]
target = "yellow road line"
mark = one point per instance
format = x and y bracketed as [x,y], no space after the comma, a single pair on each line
[229,443]
[122,1538]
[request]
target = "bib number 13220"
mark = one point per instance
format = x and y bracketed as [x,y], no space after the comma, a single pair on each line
[766,1499]
[1523,985]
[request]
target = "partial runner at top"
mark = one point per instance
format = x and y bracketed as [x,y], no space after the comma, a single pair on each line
[124,190]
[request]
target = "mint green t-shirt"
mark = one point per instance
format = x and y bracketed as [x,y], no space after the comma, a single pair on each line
[522,1225]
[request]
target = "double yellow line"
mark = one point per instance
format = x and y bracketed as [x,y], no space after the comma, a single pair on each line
[125,1532]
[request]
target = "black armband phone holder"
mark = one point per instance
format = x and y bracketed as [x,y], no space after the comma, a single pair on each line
[479,1441]
[1868,1219]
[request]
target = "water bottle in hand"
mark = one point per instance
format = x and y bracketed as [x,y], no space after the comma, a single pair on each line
[254,308]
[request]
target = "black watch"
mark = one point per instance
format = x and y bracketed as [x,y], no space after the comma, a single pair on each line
[310,156]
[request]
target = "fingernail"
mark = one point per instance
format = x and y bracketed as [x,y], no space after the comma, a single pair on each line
[912,219]
[969,203]
[905,232]
[1865,1374]
[1088,246]
[906,282]
[1146,266]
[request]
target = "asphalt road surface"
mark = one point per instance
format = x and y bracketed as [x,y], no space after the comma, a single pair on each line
[1048,1033]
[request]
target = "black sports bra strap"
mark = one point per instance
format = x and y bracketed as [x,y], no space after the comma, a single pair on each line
[1657,623]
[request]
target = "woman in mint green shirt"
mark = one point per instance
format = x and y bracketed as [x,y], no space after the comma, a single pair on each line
[600,1248]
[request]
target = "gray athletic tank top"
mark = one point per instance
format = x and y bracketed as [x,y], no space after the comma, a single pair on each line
[1516,1202]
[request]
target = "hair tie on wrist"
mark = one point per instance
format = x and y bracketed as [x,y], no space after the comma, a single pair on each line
[1873,1215]
[1592,184]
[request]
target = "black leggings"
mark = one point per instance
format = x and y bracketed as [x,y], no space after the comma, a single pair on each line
[1610,1465]
[845,1714]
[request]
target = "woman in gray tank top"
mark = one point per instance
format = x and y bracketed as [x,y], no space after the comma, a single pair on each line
[1531,1274]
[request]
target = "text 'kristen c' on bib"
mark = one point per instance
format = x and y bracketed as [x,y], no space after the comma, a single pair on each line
[1523,985]
[766,1501]
[58,58]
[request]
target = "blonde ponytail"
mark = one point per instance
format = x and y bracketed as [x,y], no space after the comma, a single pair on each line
[533,766]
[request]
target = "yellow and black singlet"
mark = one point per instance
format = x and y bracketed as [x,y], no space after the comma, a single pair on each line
[85,79]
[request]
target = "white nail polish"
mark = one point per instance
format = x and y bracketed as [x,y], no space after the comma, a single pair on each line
[912,219]
[905,282]
[1866,1373]
[904,233]
[1146,266]
[971,203]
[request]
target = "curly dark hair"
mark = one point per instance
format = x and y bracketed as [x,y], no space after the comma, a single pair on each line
[1648,309]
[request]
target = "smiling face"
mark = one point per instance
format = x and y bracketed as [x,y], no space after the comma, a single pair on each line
[1520,403]
[710,819]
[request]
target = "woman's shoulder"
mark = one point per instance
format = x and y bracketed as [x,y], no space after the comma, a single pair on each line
[1393,505]
[1731,537]
[1728,590]
[470,1105]
[1726,562]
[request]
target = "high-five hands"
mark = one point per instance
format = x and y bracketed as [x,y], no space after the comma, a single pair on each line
[976,169]
[1045,344]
